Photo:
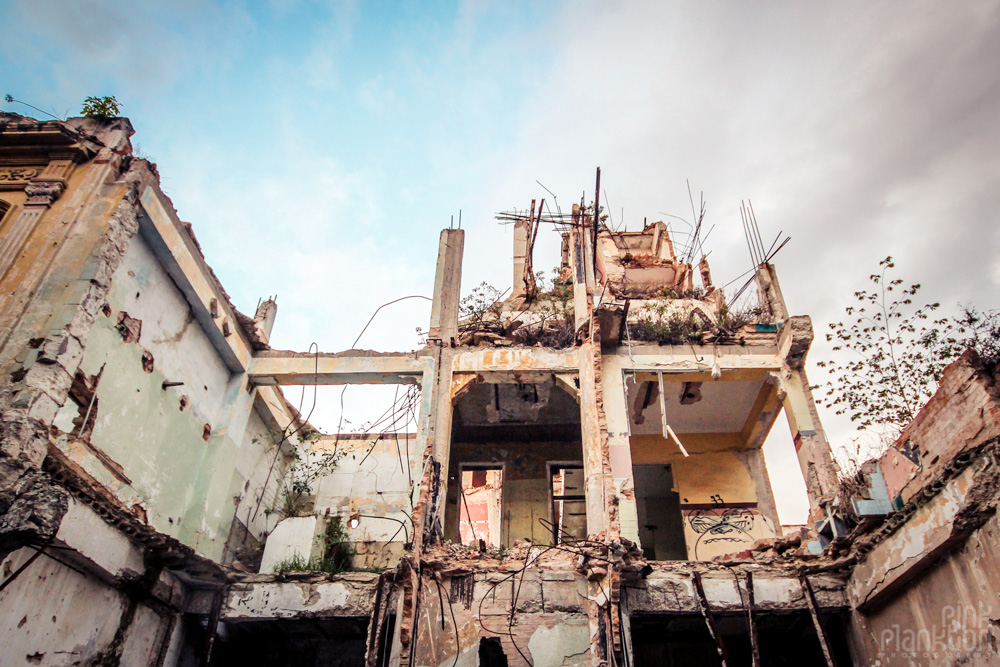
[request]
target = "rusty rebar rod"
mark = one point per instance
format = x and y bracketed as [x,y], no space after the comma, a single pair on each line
[706,613]
[811,601]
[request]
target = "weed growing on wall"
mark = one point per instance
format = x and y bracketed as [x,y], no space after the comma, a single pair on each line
[335,556]
[307,467]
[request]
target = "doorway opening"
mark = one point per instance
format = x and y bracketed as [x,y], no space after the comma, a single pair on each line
[658,505]
[481,504]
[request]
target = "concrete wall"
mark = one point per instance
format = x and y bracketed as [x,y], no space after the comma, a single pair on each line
[374,480]
[550,627]
[73,606]
[156,444]
[925,587]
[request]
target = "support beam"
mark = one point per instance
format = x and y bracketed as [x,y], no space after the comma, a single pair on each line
[752,622]
[811,446]
[706,613]
[174,247]
[281,367]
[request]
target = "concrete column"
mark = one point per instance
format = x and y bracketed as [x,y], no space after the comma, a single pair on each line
[811,446]
[520,257]
[619,446]
[753,459]
[267,311]
[447,287]
[813,450]
[769,291]
[593,468]
[441,414]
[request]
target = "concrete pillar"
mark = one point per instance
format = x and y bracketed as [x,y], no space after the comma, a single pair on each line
[753,459]
[619,446]
[811,446]
[769,291]
[815,458]
[590,431]
[521,228]
[437,393]
[447,288]
[264,318]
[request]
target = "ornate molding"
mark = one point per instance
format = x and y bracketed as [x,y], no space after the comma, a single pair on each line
[18,175]
[43,192]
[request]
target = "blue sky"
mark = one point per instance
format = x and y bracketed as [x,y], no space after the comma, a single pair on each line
[318,148]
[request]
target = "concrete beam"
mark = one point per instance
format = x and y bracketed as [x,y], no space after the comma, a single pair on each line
[281,367]
[175,249]
[665,591]
[516,359]
[343,595]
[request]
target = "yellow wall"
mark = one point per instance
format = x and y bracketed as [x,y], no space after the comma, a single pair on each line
[713,475]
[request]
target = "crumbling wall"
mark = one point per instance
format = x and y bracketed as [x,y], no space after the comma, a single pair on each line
[925,584]
[262,462]
[160,392]
[964,412]
[372,482]
[536,616]
[47,608]
[948,616]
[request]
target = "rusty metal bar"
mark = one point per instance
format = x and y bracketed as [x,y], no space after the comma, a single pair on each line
[597,215]
[706,613]
[752,623]
[380,608]
[811,601]
[213,625]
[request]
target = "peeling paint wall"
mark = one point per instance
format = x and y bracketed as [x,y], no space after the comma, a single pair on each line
[948,616]
[152,447]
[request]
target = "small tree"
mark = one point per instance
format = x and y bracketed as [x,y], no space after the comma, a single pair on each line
[101,107]
[895,353]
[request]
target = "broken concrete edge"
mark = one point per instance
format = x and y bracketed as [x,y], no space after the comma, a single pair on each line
[157,547]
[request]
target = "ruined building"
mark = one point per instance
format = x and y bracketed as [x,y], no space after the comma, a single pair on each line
[581,481]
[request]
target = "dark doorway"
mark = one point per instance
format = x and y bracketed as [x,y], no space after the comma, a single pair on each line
[785,640]
[305,642]
[658,505]
[491,653]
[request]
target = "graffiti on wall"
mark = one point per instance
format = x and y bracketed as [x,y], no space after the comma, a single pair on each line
[721,528]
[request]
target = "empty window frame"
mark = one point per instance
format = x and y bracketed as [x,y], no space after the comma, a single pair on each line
[480,504]
[568,502]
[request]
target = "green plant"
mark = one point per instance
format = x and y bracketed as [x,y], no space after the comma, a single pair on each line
[101,107]
[480,310]
[306,467]
[659,323]
[730,320]
[892,353]
[335,557]
[337,550]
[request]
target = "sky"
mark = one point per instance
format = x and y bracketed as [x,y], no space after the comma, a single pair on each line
[320,147]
